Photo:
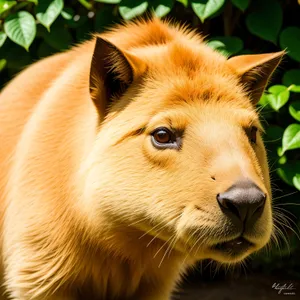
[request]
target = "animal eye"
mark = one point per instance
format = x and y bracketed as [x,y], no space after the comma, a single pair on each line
[163,138]
[162,135]
[252,134]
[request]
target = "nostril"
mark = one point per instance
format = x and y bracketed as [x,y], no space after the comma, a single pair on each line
[228,205]
[222,201]
[213,177]
[234,209]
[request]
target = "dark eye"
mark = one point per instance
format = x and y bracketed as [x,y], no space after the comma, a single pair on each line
[252,134]
[164,138]
[162,135]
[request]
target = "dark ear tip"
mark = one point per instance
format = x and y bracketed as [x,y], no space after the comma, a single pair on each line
[102,43]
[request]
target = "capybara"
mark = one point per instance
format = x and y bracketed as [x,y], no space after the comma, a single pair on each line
[128,158]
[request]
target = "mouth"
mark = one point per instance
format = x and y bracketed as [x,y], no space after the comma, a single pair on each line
[234,247]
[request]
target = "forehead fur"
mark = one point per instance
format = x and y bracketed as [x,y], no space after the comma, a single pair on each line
[180,64]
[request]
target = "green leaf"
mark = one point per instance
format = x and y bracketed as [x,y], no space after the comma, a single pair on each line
[162,7]
[130,9]
[226,45]
[2,64]
[279,96]
[109,1]
[48,10]
[6,5]
[288,171]
[263,101]
[265,19]
[3,37]
[296,181]
[290,39]
[277,89]
[291,77]
[20,28]
[184,2]
[291,138]
[206,8]
[11,51]
[294,88]
[274,134]
[67,13]
[215,44]
[241,4]
[294,110]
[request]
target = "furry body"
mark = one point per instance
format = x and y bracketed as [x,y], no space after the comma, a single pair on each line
[89,209]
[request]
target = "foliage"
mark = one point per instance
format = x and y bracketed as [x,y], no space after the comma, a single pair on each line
[31,29]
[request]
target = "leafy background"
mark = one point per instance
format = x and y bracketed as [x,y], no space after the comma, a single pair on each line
[32,29]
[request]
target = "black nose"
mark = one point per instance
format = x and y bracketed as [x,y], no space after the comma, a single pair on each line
[243,201]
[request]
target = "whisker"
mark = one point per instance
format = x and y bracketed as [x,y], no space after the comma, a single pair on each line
[174,237]
[286,195]
[283,204]
[160,230]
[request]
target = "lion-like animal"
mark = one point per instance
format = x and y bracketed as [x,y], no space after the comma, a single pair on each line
[126,159]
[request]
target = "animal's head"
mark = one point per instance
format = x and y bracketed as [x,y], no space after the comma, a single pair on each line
[179,152]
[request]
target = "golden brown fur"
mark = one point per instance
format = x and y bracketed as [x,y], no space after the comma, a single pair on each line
[89,209]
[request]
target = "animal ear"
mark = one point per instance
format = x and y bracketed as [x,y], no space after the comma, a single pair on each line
[112,71]
[255,71]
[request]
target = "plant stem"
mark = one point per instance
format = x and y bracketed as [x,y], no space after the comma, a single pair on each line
[86,4]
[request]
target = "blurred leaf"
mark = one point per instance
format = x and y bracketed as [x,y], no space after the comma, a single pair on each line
[10,51]
[184,2]
[109,1]
[291,77]
[6,5]
[294,88]
[227,45]
[283,159]
[130,9]
[277,89]
[59,37]
[67,13]
[265,19]
[290,39]
[215,44]
[48,10]
[206,8]
[86,4]
[291,138]
[162,7]
[288,171]
[241,4]
[296,180]
[279,96]
[2,64]
[104,18]
[3,37]
[20,28]
[76,21]
[294,110]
